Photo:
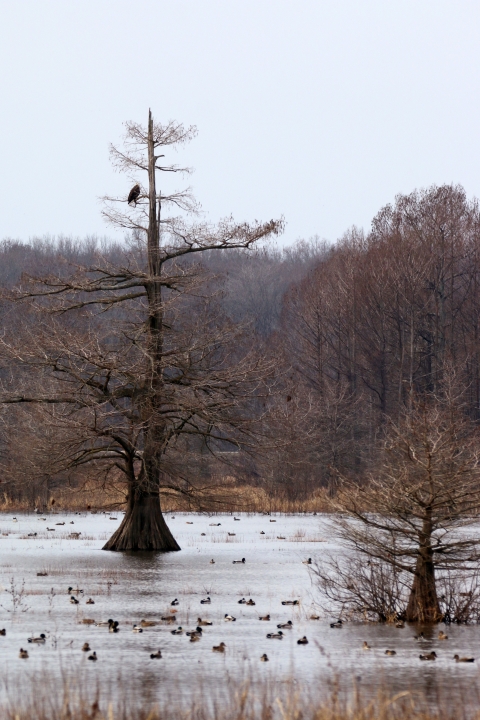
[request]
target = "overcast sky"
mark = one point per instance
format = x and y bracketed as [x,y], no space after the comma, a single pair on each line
[317,110]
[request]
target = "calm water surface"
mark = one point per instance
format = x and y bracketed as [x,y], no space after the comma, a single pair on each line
[129,587]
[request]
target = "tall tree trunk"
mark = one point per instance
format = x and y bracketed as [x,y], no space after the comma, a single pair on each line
[423,601]
[144,527]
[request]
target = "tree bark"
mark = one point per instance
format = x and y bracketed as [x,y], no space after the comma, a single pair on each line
[423,601]
[143,527]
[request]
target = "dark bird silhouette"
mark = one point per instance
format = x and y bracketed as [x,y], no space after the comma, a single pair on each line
[134,194]
[428,656]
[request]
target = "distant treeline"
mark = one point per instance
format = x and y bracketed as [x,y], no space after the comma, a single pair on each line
[356,331]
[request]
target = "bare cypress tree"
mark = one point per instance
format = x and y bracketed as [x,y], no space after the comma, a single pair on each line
[164,369]
[409,525]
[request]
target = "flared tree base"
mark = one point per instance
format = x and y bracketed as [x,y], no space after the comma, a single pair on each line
[143,528]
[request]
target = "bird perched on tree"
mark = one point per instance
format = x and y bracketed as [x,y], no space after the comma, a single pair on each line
[134,194]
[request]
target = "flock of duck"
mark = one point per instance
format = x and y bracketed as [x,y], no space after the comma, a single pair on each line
[419,638]
[197,633]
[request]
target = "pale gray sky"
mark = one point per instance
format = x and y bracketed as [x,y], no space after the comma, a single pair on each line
[318,110]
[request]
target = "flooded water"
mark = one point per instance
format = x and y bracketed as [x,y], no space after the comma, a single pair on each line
[136,586]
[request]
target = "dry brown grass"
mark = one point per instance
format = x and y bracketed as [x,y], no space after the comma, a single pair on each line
[243,701]
[228,497]
[73,499]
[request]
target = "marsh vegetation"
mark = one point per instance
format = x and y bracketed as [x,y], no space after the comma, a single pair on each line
[195,358]
[138,589]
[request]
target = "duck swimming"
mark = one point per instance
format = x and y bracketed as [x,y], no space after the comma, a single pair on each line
[338,625]
[390,652]
[113,627]
[287,625]
[90,602]
[420,636]
[442,636]
[250,602]
[219,648]
[86,647]
[429,656]
[229,618]
[74,600]
[174,602]
[205,623]
[23,654]
[3,631]
[156,655]
[264,658]
[242,601]
[152,623]
[265,617]
[308,561]
[178,631]
[195,638]
[137,629]
[302,641]
[104,623]
[275,636]
[366,646]
[212,562]
[457,658]
[198,631]
[290,602]
[239,562]
[39,640]
[205,601]
[93,657]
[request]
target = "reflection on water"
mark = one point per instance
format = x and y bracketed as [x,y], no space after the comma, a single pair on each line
[129,587]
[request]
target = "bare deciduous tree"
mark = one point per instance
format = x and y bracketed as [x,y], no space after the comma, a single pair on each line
[414,517]
[168,373]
